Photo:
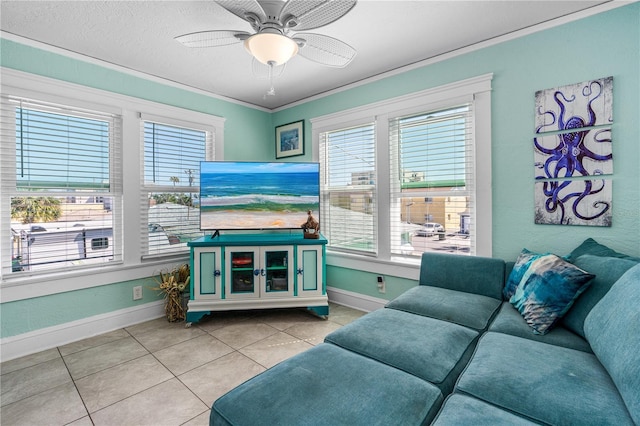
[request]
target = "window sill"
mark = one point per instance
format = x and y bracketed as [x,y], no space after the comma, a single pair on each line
[408,268]
[16,288]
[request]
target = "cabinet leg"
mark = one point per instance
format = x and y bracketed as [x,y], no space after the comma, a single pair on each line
[321,311]
[196,316]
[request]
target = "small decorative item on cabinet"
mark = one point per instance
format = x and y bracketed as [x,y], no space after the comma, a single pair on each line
[172,284]
[311,228]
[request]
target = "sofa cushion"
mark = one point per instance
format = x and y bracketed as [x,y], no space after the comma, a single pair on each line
[467,309]
[461,409]
[471,274]
[613,329]
[546,383]
[547,290]
[327,385]
[431,349]
[509,321]
[607,271]
[591,246]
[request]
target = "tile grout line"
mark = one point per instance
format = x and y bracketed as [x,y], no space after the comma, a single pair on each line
[84,404]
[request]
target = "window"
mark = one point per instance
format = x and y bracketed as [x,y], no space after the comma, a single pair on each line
[432,181]
[101,243]
[72,168]
[349,188]
[399,176]
[172,156]
[59,173]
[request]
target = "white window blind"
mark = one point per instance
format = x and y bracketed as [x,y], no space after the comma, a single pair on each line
[432,188]
[61,177]
[170,198]
[348,188]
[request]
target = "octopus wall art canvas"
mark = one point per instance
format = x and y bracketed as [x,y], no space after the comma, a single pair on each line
[574,127]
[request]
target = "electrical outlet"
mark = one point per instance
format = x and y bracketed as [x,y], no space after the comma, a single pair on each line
[137,292]
[381,285]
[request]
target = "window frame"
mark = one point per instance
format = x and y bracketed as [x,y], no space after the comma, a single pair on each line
[66,99]
[132,266]
[325,195]
[476,90]
[148,188]
[396,192]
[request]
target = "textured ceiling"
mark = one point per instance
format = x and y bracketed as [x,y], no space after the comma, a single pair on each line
[139,35]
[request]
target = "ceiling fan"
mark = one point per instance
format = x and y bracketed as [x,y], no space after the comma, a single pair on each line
[276,38]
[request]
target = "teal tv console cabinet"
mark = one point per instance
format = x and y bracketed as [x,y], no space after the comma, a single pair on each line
[257,271]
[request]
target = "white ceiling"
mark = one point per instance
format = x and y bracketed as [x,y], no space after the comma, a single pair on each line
[138,35]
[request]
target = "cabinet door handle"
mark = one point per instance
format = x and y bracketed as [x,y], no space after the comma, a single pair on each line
[262,272]
[300,271]
[216,273]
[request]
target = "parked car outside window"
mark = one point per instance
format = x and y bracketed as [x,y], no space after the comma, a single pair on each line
[429,229]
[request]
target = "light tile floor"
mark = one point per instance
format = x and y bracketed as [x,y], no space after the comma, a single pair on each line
[156,373]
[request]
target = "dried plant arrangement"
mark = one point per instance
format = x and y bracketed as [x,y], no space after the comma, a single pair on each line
[172,284]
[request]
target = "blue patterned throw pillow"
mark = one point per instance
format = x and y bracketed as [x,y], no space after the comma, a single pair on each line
[522,264]
[547,290]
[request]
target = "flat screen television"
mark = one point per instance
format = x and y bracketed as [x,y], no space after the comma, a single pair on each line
[236,195]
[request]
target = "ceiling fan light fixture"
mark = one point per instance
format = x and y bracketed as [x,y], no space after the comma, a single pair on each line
[271,48]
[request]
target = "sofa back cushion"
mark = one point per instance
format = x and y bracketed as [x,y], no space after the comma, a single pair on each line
[607,271]
[591,246]
[613,331]
[471,274]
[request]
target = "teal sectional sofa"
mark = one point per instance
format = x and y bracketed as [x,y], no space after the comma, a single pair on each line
[455,351]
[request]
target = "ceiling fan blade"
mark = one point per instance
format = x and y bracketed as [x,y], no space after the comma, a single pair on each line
[240,8]
[324,50]
[299,15]
[212,38]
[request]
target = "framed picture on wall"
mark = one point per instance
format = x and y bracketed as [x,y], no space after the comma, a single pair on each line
[290,139]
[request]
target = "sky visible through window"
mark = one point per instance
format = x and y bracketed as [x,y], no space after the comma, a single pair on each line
[61,151]
[432,147]
[173,152]
[351,153]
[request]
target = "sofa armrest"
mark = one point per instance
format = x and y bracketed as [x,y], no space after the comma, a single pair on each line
[472,274]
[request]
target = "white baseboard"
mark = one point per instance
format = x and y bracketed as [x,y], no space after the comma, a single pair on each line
[354,300]
[62,334]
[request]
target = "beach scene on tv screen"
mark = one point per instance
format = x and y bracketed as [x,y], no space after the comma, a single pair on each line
[239,195]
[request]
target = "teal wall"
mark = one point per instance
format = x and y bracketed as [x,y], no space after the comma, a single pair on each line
[598,46]
[366,282]
[40,312]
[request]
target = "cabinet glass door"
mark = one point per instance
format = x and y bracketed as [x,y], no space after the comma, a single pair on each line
[276,271]
[242,278]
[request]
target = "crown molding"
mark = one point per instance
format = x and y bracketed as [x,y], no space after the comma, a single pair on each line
[119,68]
[595,10]
[605,7]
